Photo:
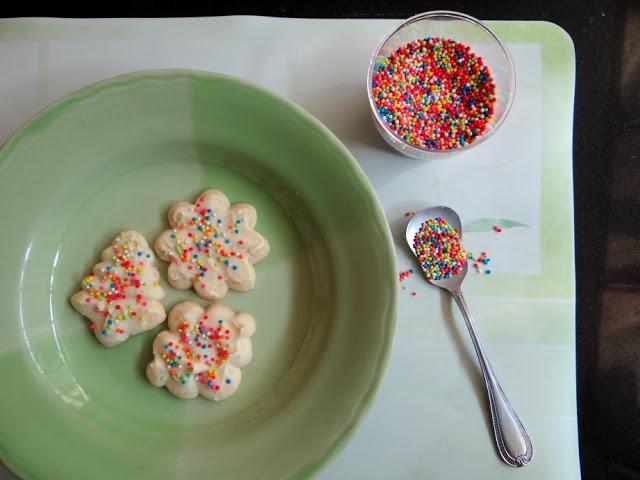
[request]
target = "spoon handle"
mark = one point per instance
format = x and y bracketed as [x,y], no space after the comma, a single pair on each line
[513,442]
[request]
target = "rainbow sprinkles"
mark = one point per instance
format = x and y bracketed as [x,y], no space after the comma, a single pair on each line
[438,247]
[121,296]
[212,245]
[434,93]
[202,352]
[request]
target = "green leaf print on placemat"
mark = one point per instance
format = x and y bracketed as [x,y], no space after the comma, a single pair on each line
[488,224]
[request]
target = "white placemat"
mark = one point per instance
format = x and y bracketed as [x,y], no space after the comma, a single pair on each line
[430,418]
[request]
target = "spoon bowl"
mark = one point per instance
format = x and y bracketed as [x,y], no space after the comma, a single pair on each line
[452,218]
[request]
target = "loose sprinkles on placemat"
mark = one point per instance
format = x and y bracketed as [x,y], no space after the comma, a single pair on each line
[402,276]
[480,263]
[439,249]
[434,93]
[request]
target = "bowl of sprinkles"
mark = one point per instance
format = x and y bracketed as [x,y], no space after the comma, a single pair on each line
[440,83]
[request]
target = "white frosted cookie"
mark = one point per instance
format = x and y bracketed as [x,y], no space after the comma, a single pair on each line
[212,246]
[202,352]
[122,295]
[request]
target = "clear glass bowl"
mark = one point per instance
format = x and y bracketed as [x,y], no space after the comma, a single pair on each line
[461,28]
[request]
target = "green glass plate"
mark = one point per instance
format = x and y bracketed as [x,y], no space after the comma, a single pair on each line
[115,156]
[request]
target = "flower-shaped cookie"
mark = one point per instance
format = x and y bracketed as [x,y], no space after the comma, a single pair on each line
[122,295]
[212,245]
[202,352]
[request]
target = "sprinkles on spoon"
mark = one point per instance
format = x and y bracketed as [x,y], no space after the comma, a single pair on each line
[439,249]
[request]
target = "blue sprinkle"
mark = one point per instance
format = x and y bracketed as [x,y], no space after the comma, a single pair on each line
[219,221]
[105,333]
[227,241]
[109,321]
[227,262]
[235,267]
[488,272]
[139,253]
[486,261]
[220,321]
[184,381]
[228,381]
[237,231]
[148,255]
[209,210]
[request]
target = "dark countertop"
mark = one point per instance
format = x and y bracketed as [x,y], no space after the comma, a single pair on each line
[606,186]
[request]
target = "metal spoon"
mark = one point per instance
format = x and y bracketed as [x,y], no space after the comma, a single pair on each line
[513,442]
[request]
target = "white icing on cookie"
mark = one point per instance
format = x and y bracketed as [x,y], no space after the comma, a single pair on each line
[122,295]
[212,245]
[202,352]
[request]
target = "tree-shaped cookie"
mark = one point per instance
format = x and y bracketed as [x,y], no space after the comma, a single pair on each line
[122,295]
[212,245]
[202,352]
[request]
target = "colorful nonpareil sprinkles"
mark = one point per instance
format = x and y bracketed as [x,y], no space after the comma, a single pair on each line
[402,276]
[480,263]
[434,93]
[199,343]
[117,288]
[439,249]
[207,236]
